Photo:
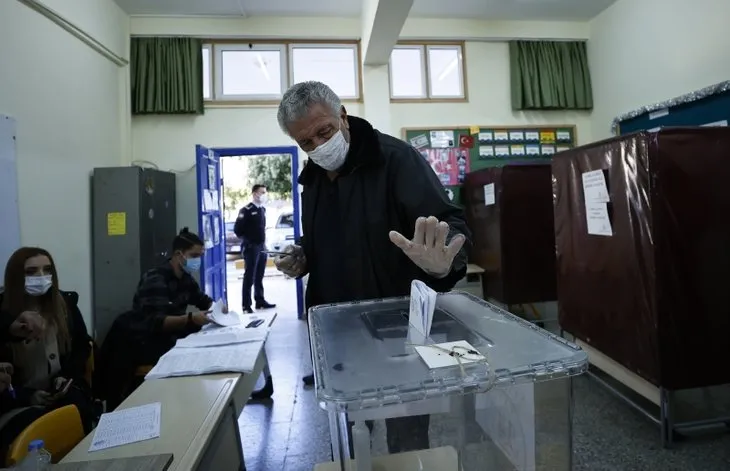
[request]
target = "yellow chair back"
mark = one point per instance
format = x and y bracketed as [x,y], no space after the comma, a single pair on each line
[61,430]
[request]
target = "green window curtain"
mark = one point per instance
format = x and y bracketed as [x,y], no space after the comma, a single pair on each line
[550,75]
[167,76]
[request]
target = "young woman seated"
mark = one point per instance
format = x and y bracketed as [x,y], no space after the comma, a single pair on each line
[164,295]
[46,343]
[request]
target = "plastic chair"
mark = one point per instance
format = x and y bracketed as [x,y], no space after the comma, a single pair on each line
[61,430]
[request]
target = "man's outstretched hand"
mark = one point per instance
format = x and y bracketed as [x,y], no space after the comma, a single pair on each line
[428,249]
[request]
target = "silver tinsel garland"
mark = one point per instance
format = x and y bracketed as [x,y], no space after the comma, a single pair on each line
[688,98]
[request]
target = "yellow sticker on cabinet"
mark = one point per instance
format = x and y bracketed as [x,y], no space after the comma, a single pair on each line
[116,224]
[473,129]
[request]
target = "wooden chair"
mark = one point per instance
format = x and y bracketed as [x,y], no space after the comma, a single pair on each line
[61,430]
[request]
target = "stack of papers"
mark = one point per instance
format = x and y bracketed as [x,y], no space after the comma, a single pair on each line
[126,426]
[238,358]
[218,336]
[423,305]
[220,318]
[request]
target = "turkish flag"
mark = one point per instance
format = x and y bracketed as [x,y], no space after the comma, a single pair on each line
[466,141]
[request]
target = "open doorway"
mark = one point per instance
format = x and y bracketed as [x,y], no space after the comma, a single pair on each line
[276,168]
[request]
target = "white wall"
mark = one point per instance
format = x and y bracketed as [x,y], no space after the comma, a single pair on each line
[169,141]
[66,99]
[646,51]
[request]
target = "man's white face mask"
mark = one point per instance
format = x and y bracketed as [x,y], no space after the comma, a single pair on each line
[331,155]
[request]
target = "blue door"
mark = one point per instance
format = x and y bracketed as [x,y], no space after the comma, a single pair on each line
[210,223]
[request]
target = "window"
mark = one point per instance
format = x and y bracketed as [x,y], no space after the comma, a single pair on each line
[335,65]
[407,73]
[427,72]
[250,72]
[286,221]
[244,72]
[207,72]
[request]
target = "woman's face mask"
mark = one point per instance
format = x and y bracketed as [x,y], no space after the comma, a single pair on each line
[38,285]
[332,154]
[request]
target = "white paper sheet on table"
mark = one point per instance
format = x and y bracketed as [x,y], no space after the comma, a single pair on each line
[218,336]
[126,426]
[219,317]
[239,358]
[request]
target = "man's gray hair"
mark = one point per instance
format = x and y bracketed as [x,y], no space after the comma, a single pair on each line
[297,101]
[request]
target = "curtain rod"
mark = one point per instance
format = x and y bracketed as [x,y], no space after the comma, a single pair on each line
[424,39]
[75,31]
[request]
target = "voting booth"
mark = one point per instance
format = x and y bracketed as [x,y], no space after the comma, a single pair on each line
[497,388]
[643,249]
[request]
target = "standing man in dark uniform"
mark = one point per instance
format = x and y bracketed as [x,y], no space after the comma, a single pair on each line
[251,228]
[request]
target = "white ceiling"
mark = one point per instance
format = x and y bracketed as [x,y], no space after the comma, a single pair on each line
[478,9]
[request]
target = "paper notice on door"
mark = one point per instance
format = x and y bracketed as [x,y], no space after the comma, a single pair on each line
[598,220]
[595,189]
[489,195]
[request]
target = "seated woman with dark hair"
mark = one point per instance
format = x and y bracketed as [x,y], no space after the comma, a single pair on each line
[159,317]
[48,356]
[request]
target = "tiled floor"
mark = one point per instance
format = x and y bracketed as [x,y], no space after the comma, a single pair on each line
[290,432]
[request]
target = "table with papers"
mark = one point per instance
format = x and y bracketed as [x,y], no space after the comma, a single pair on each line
[216,349]
[196,415]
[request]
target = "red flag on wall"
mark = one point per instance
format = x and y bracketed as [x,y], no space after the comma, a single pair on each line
[466,141]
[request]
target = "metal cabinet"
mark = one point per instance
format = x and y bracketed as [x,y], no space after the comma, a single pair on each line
[134,223]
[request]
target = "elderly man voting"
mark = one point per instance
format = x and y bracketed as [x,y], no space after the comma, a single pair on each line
[374,218]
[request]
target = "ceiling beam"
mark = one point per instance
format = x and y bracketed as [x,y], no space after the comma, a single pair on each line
[242,9]
[383,21]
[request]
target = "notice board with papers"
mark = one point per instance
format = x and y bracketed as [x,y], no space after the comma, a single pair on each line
[453,152]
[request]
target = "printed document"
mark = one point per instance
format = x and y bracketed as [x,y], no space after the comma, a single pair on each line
[218,336]
[238,358]
[126,426]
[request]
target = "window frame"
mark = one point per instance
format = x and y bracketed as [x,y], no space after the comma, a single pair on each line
[220,48]
[218,100]
[211,84]
[424,72]
[459,70]
[426,78]
[355,47]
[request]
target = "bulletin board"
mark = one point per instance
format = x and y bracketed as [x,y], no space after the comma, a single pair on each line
[713,110]
[455,151]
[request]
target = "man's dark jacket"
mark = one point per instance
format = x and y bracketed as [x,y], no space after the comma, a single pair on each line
[385,185]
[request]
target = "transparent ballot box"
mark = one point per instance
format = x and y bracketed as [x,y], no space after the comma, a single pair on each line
[389,410]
